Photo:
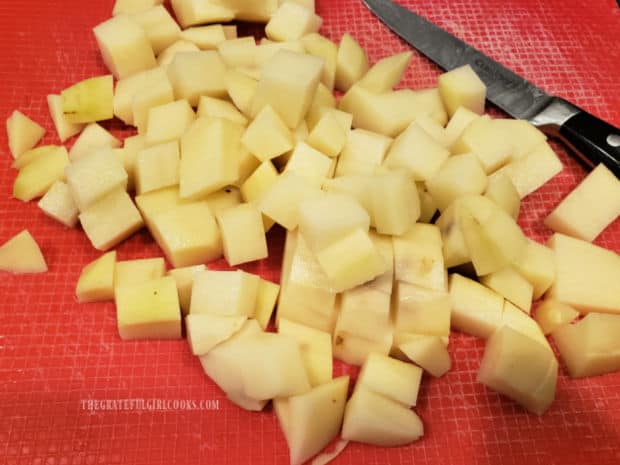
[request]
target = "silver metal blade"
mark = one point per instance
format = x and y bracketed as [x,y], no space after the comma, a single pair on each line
[510,92]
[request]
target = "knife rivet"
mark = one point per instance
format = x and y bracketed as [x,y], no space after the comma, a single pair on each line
[613,140]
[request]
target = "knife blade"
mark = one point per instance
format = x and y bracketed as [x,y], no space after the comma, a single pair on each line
[593,141]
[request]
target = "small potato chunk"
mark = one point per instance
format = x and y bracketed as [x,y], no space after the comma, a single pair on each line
[502,191]
[418,257]
[23,133]
[266,298]
[197,12]
[510,284]
[218,108]
[96,282]
[58,204]
[64,128]
[205,331]
[351,63]
[89,100]
[461,118]
[429,352]
[138,271]
[537,265]
[386,73]
[241,89]
[362,153]
[484,138]
[422,311]
[243,234]
[328,136]
[462,87]
[394,202]
[92,139]
[167,56]
[320,46]
[224,293]
[309,163]
[160,28]
[280,139]
[184,278]
[21,254]
[157,167]
[204,37]
[522,135]
[133,6]
[168,122]
[551,315]
[238,53]
[292,21]
[193,74]
[37,177]
[259,182]
[148,310]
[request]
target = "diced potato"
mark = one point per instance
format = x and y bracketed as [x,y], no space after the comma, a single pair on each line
[193,74]
[209,152]
[224,293]
[461,87]
[156,91]
[418,257]
[239,52]
[502,191]
[280,139]
[30,155]
[416,152]
[92,138]
[23,133]
[124,46]
[351,63]
[522,135]
[311,420]
[459,121]
[180,46]
[476,310]
[204,37]
[320,46]
[110,220]
[133,6]
[310,163]
[160,28]
[428,206]
[433,129]
[292,21]
[487,141]
[157,167]
[188,234]
[510,284]
[89,100]
[537,265]
[157,202]
[280,202]
[362,153]
[267,49]
[520,368]
[420,310]
[266,298]
[372,418]
[243,234]
[37,177]
[58,204]
[258,11]
[357,186]
[148,310]
[223,199]
[241,89]
[205,331]
[96,282]
[551,315]
[218,108]
[128,87]
[184,277]
[590,347]
[259,182]
[289,94]
[130,272]
[322,102]
[195,12]
[328,136]
[586,275]
[168,122]
[385,74]
[575,215]
[64,128]
[396,380]
[21,254]
[394,202]
[521,322]
[429,352]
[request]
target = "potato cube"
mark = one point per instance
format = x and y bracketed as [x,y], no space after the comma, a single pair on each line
[64,128]
[157,167]
[416,152]
[218,108]
[266,298]
[575,216]
[92,138]
[193,74]
[127,88]
[280,202]
[418,257]
[328,136]
[461,87]
[485,139]
[510,284]
[259,182]
[23,133]
[280,139]
[429,352]
[148,310]
[522,135]
[224,199]
[394,202]
[159,201]
[362,153]
[521,322]
[89,100]
[520,368]
[224,293]
[30,155]
[351,63]
[156,91]
[289,93]
[205,331]
[180,46]
[292,21]
[551,315]
[322,102]
[160,28]
[243,234]
[537,265]
[194,12]
[590,347]
[92,177]
[37,177]
[428,206]
[461,118]
[459,175]
[238,52]
[241,89]
[110,220]
[386,73]
[209,152]
[96,282]
[502,191]
[188,234]
[320,46]
[204,37]
[133,6]
[309,163]
[421,310]
[184,277]
[124,46]
[21,254]
[168,122]
[130,272]
[58,204]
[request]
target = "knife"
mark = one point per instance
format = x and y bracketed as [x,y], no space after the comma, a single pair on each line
[591,139]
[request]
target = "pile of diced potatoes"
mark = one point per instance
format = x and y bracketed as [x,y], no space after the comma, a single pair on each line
[399,206]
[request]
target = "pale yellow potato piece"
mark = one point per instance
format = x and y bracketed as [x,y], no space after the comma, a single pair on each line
[168,122]
[266,298]
[188,234]
[210,106]
[204,37]
[458,175]
[520,368]
[280,138]
[518,320]
[418,257]
[89,100]
[133,6]
[159,201]
[421,310]
[385,74]
[322,101]
[461,118]
[224,199]
[205,331]
[354,349]
[292,21]
[320,46]
[357,186]
[197,12]
[167,56]
[37,177]
[243,234]
[502,191]
[487,141]
[21,254]
[130,272]
[156,91]
[551,315]
[522,135]
[590,347]
[157,167]
[193,74]
[327,135]
[461,87]
[476,310]
[434,129]
[58,203]
[394,202]
[160,28]
[96,281]
[267,49]
[224,293]
[148,310]
[586,275]
[429,352]
[259,182]
[241,89]
[362,153]
[23,133]
[428,206]
[64,128]
[455,251]
[258,11]
[537,265]
[124,46]
[375,419]
[184,277]
[92,138]
[510,284]
[239,52]
[310,163]
[288,83]
[351,63]
[592,206]
[127,88]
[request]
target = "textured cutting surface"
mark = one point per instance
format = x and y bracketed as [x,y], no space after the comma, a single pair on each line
[56,354]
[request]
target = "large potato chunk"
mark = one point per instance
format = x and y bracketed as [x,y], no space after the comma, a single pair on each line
[89,100]
[391,378]
[243,234]
[193,74]
[386,73]
[292,21]
[224,293]
[21,254]
[462,87]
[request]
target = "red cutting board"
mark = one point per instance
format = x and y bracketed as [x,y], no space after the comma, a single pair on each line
[55,354]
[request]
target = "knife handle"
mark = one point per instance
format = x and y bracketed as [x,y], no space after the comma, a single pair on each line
[593,140]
